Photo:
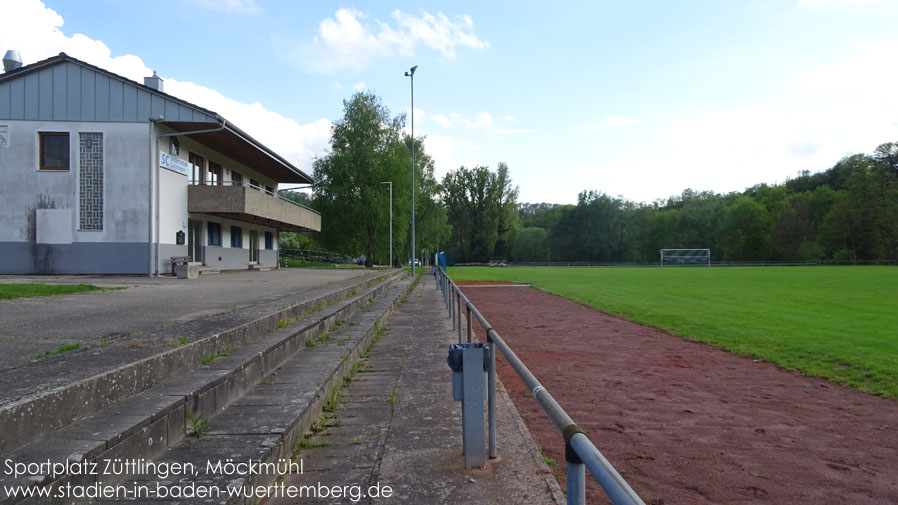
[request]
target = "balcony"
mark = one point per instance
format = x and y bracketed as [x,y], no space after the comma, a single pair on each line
[253,205]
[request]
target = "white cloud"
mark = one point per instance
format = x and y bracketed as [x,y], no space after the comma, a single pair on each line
[449,153]
[359,86]
[238,6]
[620,121]
[511,119]
[454,120]
[37,35]
[350,40]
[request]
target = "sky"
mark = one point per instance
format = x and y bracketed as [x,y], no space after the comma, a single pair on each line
[640,99]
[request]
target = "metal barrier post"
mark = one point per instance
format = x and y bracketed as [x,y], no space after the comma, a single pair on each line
[470,330]
[458,310]
[452,306]
[491,384]
[576,484]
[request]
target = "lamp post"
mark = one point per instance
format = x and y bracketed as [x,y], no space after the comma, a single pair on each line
[411,73]
[391,221]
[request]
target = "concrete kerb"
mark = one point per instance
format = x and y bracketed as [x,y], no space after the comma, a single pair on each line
[158,418]
[30,418]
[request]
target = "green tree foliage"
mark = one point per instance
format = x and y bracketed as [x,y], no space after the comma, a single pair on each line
[482,209]
[368,148]
[846,213]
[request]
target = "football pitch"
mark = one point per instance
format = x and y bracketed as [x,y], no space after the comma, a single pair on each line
[840,323]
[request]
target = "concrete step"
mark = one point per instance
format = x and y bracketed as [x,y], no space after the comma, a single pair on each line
[267,424]
[154,419]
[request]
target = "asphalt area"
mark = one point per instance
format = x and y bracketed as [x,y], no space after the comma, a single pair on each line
[685,422]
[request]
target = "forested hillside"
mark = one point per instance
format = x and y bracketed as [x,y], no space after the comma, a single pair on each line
[846,213]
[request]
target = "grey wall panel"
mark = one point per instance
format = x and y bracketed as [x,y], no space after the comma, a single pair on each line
[102,105]
[88,95]
[143,105]
[73,90]
[267,257]
[157,105]
[45,94]
[129,104]
[17,99]
[70,92]
[60,98]
[116,99]
[185,113]
[5,100]
[77,258]
[32,95]
[171,111]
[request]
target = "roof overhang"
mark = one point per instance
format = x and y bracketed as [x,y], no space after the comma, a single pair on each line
[234,143]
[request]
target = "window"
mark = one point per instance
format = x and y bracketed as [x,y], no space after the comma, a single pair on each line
[269,189]
[268,240]
[214,230]
[236,236]
[254,183]
[198,169]
[236,178]
[214,173]
[54,151]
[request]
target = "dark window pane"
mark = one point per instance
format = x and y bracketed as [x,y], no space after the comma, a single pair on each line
[54,151]
[236,236]
[268,240]
[214,234]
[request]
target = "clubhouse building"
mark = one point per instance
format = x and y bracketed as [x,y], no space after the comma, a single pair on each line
[102,174]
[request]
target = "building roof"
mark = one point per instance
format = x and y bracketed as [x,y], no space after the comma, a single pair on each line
[50,81]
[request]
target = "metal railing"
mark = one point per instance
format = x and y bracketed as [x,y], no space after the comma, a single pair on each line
[314,256]
[580,453]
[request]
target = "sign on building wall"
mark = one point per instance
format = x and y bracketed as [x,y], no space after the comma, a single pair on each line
[173,163]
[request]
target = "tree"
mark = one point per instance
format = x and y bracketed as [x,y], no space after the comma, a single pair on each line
[366,149]
[530,245]
[481,208]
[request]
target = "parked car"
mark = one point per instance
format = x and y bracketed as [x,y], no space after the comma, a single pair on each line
[417,262]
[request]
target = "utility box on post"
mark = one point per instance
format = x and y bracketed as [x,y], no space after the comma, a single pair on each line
[470,364]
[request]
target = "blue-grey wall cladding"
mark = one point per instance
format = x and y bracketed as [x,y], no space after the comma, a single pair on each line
[68,91]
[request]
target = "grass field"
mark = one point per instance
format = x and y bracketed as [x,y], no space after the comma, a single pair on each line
[9,291]
[840,323]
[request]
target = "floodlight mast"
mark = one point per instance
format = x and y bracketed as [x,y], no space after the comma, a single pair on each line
[411,73]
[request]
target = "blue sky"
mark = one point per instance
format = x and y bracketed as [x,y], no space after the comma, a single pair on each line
[640,98]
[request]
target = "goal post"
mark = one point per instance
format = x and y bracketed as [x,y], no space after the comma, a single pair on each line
[685,257]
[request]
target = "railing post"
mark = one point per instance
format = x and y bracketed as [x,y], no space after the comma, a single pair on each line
[491,384]
[576,473]
[470,330]
[458,310]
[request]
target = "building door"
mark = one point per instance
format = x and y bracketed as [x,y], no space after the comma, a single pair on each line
[253,246]
[195,239]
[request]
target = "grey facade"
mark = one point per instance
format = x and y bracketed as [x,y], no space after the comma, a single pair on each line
[89,186]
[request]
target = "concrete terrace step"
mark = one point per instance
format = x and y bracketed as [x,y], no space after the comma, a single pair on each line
[154,419]
[268,422]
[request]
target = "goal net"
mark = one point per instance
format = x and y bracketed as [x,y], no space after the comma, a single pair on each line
[691,257]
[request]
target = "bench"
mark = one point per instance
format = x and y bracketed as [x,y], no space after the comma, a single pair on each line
[179,260]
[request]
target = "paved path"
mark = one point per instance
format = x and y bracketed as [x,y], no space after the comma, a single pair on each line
[396,425]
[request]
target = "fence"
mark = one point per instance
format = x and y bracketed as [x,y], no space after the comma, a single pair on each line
[314,256]
[655,264]
[580,453]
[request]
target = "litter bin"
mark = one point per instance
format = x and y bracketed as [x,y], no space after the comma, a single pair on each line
[457,365]
[470,365]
